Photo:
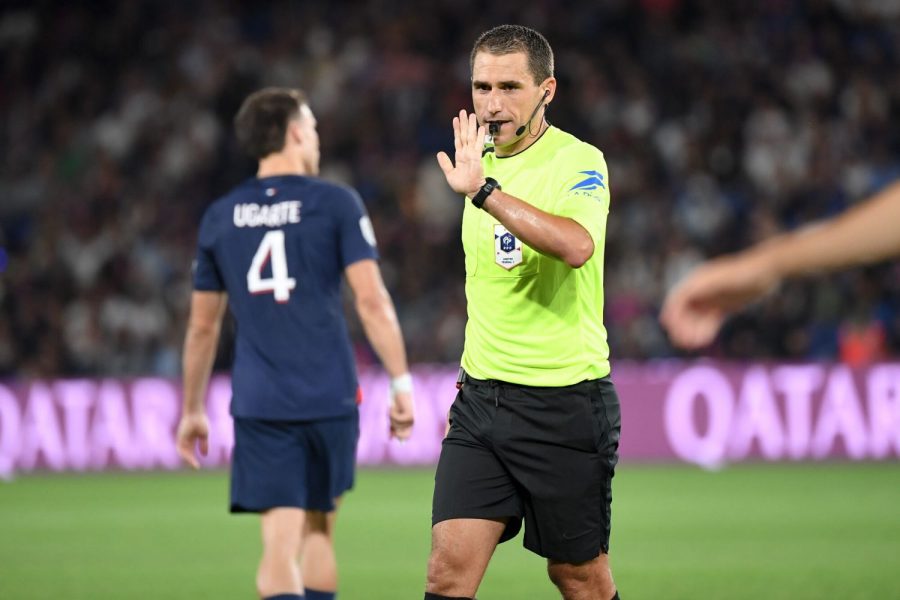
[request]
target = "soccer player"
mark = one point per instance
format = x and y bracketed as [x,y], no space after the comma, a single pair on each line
[695,309]
[274,250]
[534,429]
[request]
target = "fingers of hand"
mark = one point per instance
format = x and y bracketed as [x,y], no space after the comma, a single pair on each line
[475,140]
[704,331]
[401,430]
[401,417]
[463,130]
[186,452]
[692,329]
[671,311]
[445,163]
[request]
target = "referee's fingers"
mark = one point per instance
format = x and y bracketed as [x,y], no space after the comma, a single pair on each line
[465,129]
[475,140]
[444,162]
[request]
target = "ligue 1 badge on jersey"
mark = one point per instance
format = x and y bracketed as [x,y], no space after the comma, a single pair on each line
[507,249]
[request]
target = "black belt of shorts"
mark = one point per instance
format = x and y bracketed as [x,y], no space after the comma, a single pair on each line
[465,378]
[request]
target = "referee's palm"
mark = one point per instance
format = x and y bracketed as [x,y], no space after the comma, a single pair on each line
[467,175]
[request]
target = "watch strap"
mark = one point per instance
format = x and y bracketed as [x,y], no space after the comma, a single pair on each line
[490,184]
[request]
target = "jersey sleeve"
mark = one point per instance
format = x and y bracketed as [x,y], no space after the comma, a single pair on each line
[357,237]
[584,194]
[207,277]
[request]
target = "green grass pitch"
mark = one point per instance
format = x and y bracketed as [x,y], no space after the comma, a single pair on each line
[806,531]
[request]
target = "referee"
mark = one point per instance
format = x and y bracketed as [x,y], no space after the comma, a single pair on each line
[534,430]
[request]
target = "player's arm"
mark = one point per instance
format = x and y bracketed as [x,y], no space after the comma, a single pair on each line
[200,343]
[866,233]
[379,320]
[695,309]
[560,237]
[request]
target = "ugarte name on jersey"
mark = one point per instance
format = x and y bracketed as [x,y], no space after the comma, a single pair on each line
[267,215]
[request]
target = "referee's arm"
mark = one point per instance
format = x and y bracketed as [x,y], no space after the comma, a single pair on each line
[556,236]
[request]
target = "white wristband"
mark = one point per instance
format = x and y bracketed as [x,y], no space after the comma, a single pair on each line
[402,384]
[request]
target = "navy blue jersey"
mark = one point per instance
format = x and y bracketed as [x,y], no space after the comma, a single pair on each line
[279,246]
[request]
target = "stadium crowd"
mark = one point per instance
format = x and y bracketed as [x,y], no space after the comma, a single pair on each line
[721,122]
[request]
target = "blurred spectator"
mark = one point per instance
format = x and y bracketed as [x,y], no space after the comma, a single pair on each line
[721,122]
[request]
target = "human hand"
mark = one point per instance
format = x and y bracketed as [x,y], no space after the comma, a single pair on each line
[192,429]
[694,310]
[467,175]
[402,415]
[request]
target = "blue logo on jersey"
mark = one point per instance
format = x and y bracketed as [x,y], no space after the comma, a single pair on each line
[593,181]
[507,242]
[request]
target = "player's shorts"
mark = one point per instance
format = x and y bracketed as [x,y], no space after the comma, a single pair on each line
[545,455]
[303,464]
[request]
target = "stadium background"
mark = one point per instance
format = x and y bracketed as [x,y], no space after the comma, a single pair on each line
[722,122]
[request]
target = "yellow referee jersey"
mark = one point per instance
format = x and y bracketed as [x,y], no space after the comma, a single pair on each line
[533,320]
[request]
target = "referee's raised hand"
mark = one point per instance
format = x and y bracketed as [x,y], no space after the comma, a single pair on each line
[467,175]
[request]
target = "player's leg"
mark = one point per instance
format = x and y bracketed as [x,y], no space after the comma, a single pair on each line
[331,448]
[278,573]
[268,477]
[317,559]
[476,504]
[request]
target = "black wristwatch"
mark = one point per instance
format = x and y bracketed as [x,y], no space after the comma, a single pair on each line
[490,184]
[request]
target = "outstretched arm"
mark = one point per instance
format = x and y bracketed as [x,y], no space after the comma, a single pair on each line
[695,309]
[556,236]
[200,342]
[379,320]
[866,233]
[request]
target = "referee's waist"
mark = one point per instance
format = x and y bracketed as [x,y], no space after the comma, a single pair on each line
[464,378]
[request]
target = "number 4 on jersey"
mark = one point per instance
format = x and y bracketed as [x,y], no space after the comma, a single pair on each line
[279,284]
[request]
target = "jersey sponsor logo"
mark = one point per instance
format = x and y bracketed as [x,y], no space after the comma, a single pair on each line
[507,248]
[593,181]
[267,215]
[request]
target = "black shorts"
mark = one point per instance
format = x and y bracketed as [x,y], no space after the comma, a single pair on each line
[547,455]
[301,464]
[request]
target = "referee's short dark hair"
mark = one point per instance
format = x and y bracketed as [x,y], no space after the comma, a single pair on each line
[261,122]
[506,39]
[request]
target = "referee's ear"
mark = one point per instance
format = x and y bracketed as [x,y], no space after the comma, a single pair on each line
[549,87]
